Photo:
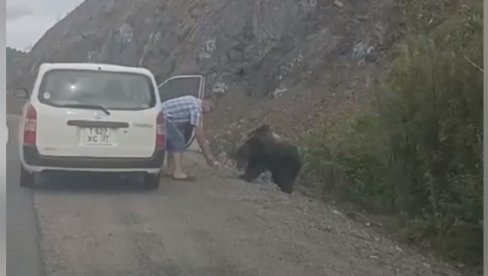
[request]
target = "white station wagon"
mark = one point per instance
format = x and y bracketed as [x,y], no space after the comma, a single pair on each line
[92,118]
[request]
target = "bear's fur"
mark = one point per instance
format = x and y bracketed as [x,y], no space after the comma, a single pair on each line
[264,150]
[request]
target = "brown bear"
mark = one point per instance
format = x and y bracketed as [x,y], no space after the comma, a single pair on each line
[264,150]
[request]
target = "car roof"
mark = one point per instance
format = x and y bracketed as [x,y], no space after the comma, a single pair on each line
[44,67]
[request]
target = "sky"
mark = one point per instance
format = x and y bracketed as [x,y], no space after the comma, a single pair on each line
[28,20]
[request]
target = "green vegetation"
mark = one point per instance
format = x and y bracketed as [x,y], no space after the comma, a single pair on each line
[416,152]
[13,56]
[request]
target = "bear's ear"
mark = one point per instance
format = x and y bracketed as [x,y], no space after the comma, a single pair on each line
[262,129]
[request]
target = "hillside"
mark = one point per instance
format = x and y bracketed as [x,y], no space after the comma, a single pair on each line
[255,46]
[14,58]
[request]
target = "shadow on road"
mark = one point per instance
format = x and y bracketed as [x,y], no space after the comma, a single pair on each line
[60,182]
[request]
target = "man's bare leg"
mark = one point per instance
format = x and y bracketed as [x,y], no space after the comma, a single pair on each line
[178,170]
[170,163]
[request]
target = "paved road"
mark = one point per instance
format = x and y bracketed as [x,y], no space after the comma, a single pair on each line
[216,226]
[23,257]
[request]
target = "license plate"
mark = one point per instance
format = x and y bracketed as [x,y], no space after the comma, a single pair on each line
[98,137]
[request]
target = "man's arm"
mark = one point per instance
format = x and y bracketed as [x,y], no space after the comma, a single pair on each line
[204,145]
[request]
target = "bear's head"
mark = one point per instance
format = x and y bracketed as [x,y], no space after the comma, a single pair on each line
[256,143]
[241,156]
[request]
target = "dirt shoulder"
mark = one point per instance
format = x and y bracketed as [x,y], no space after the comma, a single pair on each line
[216,226]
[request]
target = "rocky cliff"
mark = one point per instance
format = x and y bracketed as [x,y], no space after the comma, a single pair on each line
[262,46]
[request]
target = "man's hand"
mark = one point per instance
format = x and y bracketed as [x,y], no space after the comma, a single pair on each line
[213,164]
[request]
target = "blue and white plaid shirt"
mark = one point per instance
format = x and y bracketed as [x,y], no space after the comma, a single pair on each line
[186,109]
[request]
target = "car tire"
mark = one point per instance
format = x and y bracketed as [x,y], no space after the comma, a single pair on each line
[151,180]
[26,178]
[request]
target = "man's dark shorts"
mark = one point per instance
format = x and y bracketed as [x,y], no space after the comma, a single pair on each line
[175,137]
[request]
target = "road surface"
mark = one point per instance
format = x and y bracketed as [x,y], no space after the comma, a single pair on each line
[23,255]
[216,226]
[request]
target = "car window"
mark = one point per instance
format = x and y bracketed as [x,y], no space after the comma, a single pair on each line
[111,89]
[179,87]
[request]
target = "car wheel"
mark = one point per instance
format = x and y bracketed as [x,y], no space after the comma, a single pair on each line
[26,178]
[151,180]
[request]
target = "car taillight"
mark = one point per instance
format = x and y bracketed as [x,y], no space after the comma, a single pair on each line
[160,131]
[30,126]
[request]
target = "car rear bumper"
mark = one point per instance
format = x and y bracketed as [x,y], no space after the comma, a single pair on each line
[32,158]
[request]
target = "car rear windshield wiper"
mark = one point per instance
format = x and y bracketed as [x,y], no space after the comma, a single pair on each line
[88,106]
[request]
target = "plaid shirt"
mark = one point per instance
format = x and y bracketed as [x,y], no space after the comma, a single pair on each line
[186,109]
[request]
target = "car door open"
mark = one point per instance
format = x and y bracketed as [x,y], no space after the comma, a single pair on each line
[183,85]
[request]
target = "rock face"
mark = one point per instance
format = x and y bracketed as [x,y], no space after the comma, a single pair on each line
[261,46]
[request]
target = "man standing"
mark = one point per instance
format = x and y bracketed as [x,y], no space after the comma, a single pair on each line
[181,114]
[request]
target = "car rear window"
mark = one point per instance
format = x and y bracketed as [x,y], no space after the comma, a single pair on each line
[113,90]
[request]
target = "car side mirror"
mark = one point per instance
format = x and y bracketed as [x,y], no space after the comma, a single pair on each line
[21,93]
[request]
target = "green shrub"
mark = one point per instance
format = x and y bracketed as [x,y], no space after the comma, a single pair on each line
[417,152]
